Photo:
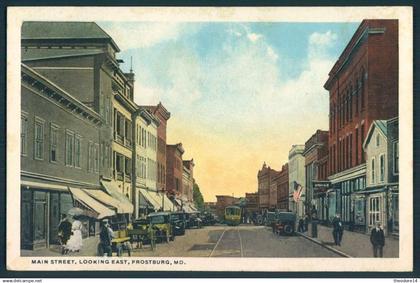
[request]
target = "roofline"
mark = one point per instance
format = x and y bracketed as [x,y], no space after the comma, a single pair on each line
[64,56]
[147,115]
[370,131]
[60,91]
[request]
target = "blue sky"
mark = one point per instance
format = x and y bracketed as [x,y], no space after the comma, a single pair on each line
[239,93]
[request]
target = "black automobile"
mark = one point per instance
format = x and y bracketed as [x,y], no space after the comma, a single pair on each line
[208,218]
[285,223]
[179,223]
[194,220]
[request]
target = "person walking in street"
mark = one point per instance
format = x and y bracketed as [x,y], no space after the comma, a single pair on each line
[377,238]
[301,226]
[75,242]
[337,230]
[105,239]
[64,232]
[306,222]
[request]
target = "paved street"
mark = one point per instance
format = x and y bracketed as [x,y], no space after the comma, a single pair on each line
[216,241]
[241,241]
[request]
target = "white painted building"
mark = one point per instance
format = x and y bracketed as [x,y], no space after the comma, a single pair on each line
[297,174]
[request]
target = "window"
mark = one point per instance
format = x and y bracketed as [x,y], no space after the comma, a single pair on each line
[90,156]
[77,151]
[69,148]
[382,167]
[53,142]
[39,139]
[357,146]
[374,210]
[362,92]
[372,172]
[362,137]
[127,166]
[378,140]
[23,134]
[96,158]
[396,157]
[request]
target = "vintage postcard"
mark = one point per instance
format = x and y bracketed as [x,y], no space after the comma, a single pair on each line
[209,139]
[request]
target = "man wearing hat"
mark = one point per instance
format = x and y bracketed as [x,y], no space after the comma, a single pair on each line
[105,237]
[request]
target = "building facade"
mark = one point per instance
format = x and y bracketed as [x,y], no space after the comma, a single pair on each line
[144,163]
[188,179]
[163,115]
[316,155]
[174,170]
[363,87]
[265,189]
[297,177]
[382,170]
[75,64]
[283,188]
[55,155]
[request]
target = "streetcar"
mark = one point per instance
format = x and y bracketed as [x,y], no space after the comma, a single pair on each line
[233,215]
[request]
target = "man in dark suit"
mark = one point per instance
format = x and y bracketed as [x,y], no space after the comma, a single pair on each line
[377,238]
[337,230]
[64,232]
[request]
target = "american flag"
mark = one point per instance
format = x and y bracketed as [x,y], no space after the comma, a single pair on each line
[297,192]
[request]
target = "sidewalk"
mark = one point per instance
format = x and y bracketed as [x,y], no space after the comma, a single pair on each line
[353,244]
[89,249]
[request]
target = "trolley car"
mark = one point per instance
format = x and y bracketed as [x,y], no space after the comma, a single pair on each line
[233,215]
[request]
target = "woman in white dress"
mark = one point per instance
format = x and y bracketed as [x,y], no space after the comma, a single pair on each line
[75,244]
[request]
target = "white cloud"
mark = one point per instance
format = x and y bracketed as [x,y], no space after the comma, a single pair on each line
[135,35]
[272,54]
[254,36]
[322,39]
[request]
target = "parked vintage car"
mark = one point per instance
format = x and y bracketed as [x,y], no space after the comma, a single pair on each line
[285,223]
[142,232]
[179,222]
[194,220]
[208,218]
[161,223]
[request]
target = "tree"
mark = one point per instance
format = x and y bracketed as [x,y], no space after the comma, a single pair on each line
[198,197]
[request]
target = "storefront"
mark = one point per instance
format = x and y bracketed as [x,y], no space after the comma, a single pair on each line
[41,208]
[320,199]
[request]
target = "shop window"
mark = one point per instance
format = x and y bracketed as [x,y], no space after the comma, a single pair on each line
[23,135]
[374,210]
[39,139]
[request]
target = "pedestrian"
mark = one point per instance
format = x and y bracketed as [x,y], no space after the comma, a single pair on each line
[64,232]
[301,226]
[105,239]
[377,238]
[337,230]
[306,222]
[75,243]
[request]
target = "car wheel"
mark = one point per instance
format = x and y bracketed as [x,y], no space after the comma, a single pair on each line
[288,230]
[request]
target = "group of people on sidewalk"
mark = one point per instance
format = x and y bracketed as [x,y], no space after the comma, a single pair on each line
[377,236]
[70,236]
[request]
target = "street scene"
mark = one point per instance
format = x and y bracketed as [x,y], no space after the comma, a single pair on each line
[209,139]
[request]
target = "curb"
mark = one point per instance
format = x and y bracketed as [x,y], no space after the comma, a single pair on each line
[323,245]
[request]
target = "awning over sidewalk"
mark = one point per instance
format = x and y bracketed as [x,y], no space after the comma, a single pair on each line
[101,211]
[106,199]
[150,199]
[168,205]
[125,205]
[40,185]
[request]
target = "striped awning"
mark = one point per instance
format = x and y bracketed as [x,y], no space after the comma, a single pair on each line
[100,210]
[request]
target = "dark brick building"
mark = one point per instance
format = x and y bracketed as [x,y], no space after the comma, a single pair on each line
[222,202]
[174,169]
[316,157]
[265,188]
[283,188]
[363,86]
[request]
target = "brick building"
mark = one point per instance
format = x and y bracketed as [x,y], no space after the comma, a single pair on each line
[283,188]
[188,179]
[252,202]
[363,87]
[265,189]
[174,170]
[316,157]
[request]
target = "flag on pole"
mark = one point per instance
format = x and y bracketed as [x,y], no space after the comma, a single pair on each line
[297,191]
